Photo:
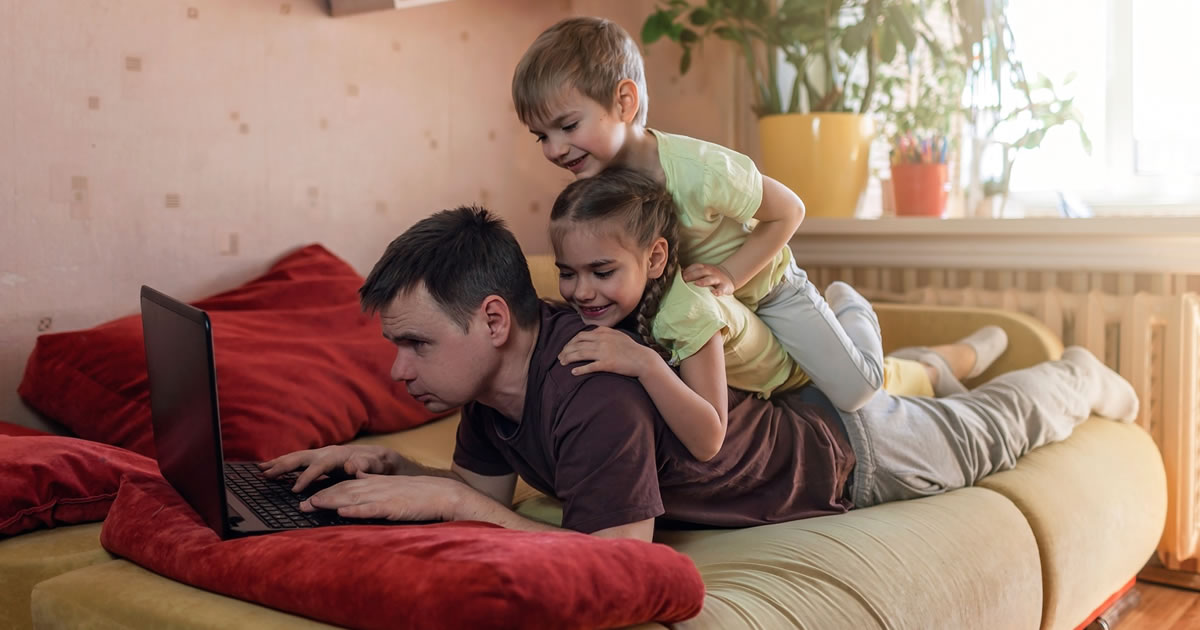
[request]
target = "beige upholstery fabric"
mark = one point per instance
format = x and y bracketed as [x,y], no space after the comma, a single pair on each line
[962,560]
[1029,341]
[1097,503]
[122,595]
[30,558]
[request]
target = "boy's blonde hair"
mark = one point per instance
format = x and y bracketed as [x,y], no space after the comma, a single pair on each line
[589,54]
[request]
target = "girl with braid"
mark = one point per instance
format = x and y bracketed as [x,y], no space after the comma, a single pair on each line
[614,238]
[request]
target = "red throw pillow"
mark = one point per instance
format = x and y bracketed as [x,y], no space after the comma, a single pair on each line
[53,480]
[453,575]
[8,428]
[298,366]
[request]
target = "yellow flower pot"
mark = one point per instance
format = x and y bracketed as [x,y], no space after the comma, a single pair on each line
[822,157]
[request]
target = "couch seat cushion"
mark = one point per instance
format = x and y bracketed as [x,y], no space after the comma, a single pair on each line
[30,558]
[966,559]
[1097,503]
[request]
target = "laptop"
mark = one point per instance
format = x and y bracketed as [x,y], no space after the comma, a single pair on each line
[233,498]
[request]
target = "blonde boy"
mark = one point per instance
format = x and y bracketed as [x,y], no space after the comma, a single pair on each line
[581,90]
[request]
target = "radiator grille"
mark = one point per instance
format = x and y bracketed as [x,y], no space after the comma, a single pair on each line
[1145,326]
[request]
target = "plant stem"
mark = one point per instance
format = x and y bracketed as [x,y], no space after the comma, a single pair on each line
[869,91]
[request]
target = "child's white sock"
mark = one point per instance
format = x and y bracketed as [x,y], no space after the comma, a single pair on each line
[1113,396]
[989,343]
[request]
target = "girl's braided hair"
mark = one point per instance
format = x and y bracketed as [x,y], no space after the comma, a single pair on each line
[642,209]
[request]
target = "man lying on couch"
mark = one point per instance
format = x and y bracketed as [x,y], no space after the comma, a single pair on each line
[456,298]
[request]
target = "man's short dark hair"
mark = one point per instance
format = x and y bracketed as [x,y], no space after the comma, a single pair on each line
[461,256]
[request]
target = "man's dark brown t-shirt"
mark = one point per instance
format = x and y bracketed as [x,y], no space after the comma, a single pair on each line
[597,443]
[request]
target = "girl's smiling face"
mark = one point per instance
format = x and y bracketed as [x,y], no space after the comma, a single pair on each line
[600,275]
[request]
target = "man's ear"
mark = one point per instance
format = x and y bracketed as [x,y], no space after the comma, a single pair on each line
[497,318]
[628,100]
[659,253]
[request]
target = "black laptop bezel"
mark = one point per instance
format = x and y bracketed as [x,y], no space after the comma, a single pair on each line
[219,522]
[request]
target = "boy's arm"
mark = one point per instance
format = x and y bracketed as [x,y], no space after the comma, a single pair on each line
[779,215]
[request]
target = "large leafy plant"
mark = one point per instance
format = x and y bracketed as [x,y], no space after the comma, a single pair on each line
[1005,110]
[834,48]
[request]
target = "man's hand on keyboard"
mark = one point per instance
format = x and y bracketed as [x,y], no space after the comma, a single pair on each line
[397,498]
[333,460]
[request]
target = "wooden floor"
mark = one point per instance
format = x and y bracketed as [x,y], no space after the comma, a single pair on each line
[1163,608]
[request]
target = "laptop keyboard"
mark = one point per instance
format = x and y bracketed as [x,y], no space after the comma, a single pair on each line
[273,500]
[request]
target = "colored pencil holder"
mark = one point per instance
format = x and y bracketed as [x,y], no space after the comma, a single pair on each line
[919,189]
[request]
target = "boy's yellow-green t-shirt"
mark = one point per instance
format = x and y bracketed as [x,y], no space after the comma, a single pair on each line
[717,191]
[688,316]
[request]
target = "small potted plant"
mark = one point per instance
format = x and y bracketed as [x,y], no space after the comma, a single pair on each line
[918,109]
[814,64]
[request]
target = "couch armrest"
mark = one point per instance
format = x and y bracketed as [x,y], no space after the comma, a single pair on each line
[1029,341]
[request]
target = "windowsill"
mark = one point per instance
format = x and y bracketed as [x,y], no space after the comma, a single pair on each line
[1030,227]
[1133,244]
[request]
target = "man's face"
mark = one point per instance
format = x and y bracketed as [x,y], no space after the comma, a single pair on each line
[442,366]
[580,134]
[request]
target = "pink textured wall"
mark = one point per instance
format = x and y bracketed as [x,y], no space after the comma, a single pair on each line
[186,144]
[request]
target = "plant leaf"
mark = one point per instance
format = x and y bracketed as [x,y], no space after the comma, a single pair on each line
[687,36]
[657,25]
[887,45]
[685,61]
[900,23]
[701,16]
[855,37]
[727,33]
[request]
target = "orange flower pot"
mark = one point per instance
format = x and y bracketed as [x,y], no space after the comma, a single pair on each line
[920,189]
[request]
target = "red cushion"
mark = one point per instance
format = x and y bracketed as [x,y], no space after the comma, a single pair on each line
[8,428]
[52,480]
[298,366]
[460,575]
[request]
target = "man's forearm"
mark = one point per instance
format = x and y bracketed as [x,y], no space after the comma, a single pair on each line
[401,465]
[471,505]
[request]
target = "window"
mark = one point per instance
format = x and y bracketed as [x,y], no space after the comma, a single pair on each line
[1137,82]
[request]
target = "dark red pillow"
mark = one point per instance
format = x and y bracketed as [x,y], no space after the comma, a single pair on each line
[8,428]
[454,575]
[298,366]
[52,480]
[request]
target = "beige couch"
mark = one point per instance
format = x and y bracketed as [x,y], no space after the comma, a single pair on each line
[1040,546]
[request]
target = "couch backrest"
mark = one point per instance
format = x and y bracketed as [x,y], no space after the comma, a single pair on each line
[545,276]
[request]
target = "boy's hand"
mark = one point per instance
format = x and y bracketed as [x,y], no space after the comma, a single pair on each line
[608,351]
[712,276]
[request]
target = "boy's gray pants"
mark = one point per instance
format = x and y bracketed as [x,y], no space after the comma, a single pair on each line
[909,447]
[841,352]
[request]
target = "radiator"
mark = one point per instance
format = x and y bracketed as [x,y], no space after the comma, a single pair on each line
[1146,328]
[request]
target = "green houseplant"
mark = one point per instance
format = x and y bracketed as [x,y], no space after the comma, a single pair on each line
[1005,111]
[832,48]
[815,69]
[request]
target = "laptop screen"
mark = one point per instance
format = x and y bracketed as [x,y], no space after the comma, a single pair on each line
[183,403]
